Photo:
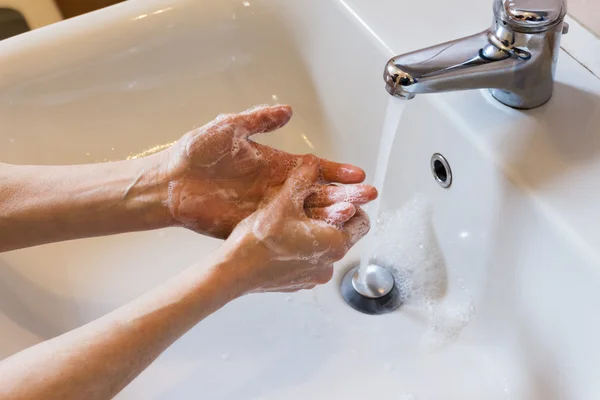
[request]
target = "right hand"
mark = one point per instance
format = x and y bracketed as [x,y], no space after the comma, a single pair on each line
[281,249]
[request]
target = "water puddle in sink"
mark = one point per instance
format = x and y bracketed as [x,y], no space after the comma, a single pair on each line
[393,116]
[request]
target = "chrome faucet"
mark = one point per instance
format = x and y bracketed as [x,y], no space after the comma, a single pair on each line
[515,59]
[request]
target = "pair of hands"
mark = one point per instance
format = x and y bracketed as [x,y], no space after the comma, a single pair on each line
[281,213]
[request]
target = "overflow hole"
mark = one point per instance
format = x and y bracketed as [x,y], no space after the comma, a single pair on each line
[441,170]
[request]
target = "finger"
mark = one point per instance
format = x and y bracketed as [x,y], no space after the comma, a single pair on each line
[357,227]
[335,214]
[300,182]
[260,119]
[328,195]
[341,173]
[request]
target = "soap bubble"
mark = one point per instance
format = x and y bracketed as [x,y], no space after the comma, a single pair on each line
[408,245]
[406,242]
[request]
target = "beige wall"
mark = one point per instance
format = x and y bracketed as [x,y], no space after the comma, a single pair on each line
[587,12]
[71,8]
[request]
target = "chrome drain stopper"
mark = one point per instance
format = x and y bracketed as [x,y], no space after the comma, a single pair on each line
[375,294]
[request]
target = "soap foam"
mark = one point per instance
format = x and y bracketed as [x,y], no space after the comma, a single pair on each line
[407,243]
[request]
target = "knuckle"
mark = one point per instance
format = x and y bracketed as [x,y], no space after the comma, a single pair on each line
[338,254]
[326,275]
[310,158]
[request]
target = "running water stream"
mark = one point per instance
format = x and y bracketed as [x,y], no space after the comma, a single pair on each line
[393,115]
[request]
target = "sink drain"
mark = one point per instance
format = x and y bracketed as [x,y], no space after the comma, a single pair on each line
[441,170]
[375,294]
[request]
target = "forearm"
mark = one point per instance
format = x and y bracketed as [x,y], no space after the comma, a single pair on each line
[98,360]
[42,204]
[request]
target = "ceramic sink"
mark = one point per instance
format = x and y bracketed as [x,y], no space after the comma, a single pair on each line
[511,246]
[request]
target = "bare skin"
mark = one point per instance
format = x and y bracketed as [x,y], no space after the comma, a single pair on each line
[286,225]
[219,176]
[209,181]
[276,248]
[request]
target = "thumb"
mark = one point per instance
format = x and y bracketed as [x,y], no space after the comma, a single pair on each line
[357,227]
[300,182]
[261,119]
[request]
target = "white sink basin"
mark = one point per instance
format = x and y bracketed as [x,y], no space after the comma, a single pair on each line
[515,229]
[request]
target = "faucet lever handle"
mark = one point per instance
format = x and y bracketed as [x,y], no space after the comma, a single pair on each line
[530,15]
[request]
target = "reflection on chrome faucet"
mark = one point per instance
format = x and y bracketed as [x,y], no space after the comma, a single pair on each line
[516,58]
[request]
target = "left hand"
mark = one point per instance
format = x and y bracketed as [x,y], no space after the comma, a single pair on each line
[280,249]
[218,176]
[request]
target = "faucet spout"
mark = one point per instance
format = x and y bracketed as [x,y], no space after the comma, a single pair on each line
[517,65]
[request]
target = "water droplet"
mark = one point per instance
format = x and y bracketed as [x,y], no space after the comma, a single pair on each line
[289,299]
[226,357]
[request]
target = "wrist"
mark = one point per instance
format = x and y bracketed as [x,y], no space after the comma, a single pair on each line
[148,192]
[220,272]
[237,262]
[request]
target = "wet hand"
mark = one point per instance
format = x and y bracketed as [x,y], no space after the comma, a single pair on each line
[280,248]
[218,176]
